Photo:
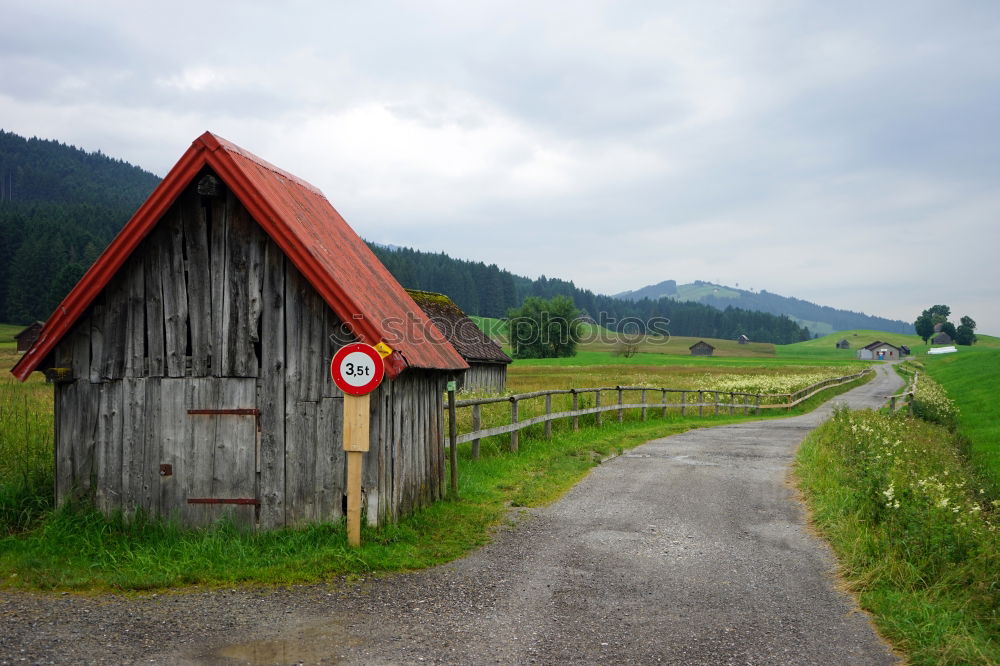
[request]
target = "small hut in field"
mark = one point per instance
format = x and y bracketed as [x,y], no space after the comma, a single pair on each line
[743,340]
[191,362]
[941,338]
[843,344]
[879,351]
[487,361]
[27,336]
[701,348]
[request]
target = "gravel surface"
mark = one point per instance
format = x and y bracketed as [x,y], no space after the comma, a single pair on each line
[689,550]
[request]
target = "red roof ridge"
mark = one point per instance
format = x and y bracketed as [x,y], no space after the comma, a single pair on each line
[214,142]
[304,225]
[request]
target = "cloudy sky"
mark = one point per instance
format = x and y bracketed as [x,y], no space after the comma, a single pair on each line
[846,153]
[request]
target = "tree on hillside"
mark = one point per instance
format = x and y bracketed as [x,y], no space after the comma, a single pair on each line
[544,329]
[929,318]
[965,332]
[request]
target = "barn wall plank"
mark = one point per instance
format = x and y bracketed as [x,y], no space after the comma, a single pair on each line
[199,280]
[96,338]
[108,447]
[148,469]
[329,482]
[65,414]
[115,328]
[153,275]
[135,318]
[175,301]
[216,220]
[242,250]
[271,391]
[234,468]
[300,462]
[133,441]
[173,440]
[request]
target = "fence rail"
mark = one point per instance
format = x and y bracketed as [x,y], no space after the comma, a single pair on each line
[905,399]
[737,402]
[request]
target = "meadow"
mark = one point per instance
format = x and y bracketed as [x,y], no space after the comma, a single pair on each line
[76,548]
[911,505]
[971,378]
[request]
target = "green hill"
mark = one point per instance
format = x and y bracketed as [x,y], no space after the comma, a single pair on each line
[819,319]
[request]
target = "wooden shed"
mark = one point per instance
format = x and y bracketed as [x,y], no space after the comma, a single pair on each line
[192,360]
[879,351]
[27,336]
[843,344]
[941,338]
[743,340]
[701,348]
[487,361]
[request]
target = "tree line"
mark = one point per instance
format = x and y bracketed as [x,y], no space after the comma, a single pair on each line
[60,207]
[490,291]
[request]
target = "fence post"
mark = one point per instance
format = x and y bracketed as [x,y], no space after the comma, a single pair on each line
[597,403]
[576,406]
[701,402]
[621,412]
[453,439]
[683,400]
[513,420]
[732,399]
[757,405]
[892,404]
[476,424]
[548,411]
[643,404]
[664,408]
[715,399]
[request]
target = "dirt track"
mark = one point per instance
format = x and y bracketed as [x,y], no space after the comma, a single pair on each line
[690,550]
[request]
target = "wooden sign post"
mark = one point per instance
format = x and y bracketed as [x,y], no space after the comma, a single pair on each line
[357,370]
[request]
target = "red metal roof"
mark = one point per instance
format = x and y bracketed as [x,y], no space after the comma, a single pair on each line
[300,220]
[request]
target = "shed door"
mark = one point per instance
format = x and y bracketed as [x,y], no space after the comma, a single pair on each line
[222,452]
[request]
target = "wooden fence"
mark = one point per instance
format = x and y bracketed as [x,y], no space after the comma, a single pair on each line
[743,403]
[905,399]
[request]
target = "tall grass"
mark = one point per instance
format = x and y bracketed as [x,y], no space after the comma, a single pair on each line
[971,379]
[26,457]
[916,536]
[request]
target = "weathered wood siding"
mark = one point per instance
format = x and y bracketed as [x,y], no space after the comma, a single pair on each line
[208,314]
[489,377]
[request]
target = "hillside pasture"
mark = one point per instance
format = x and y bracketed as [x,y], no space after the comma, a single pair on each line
[971,377]
[826,346]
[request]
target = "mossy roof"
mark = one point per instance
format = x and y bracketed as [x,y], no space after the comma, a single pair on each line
[463,334]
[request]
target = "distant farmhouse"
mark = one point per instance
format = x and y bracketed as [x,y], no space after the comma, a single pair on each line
[843,344]
[879,351]
[743,340]
[701,348]
[487,362]
[27,336]
[941,338]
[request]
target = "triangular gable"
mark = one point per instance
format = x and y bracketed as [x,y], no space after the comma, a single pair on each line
[300,220]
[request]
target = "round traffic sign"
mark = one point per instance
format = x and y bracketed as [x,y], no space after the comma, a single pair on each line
[357,368]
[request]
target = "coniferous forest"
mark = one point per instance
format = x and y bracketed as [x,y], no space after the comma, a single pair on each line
[60,206]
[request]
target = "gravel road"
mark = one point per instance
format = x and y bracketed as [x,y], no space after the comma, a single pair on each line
[687,550]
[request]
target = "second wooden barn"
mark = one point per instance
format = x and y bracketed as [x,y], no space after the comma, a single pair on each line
[192,360]
[487,361]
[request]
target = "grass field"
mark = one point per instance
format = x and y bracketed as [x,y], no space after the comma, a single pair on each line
[77,548]
[7,332]
[971,378]
[917,539]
